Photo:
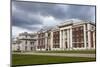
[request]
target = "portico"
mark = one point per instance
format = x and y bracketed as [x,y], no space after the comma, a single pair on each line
[66,37]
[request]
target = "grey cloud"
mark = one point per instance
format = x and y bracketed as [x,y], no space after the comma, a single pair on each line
[81,12]
[25,24]
[72,11]
[24,19]
[21,19]
[42,8]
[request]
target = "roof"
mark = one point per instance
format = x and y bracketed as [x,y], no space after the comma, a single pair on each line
[56,28]
[25,33]
[74,22]
[45,28]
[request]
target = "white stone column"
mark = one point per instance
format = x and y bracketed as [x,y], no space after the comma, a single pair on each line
[71,38]
[22,45]
[61,40]
[94,40]
[68,35]
[89,37]
[46,35]
[85,41]
[36,43]
[28,45]
[89,40]
[51,41]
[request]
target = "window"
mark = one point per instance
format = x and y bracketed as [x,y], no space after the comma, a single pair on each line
[77,39]
[82,45]
[25,47]
[31,42]
[25,36]
[77,35]
[77,29]
[18,48]
[79,45]
[74,45]
[25,42]
[81,34]
[73,39]
[82,39]
[92,28]
[31,48]
[81,28]
[55,46]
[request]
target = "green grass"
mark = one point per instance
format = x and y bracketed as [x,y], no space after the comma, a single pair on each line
[37,59]
[70,51]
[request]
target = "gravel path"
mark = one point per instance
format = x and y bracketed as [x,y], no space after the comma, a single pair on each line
[60,54]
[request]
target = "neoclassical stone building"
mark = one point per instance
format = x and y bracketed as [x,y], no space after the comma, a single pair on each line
[25,42]
[70,35]
[80,35]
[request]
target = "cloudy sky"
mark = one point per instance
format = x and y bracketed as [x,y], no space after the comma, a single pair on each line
[30,16]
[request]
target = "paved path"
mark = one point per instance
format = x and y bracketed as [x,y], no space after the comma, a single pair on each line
[60,54]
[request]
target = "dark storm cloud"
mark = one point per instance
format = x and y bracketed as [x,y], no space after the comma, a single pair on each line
[24,21]
[55,10]
[81,12]
[42,8]
[21,11]
[23,18]
[24,24]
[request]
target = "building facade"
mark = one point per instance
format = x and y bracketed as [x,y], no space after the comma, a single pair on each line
[70,35]
[25,42]
[77,36]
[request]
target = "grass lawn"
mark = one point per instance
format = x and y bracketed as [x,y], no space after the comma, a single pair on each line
[36,59]
[70,51]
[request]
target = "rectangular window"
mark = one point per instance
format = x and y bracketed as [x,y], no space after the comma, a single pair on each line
[26,42]
[31,48]
[25,47]
[18,48]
